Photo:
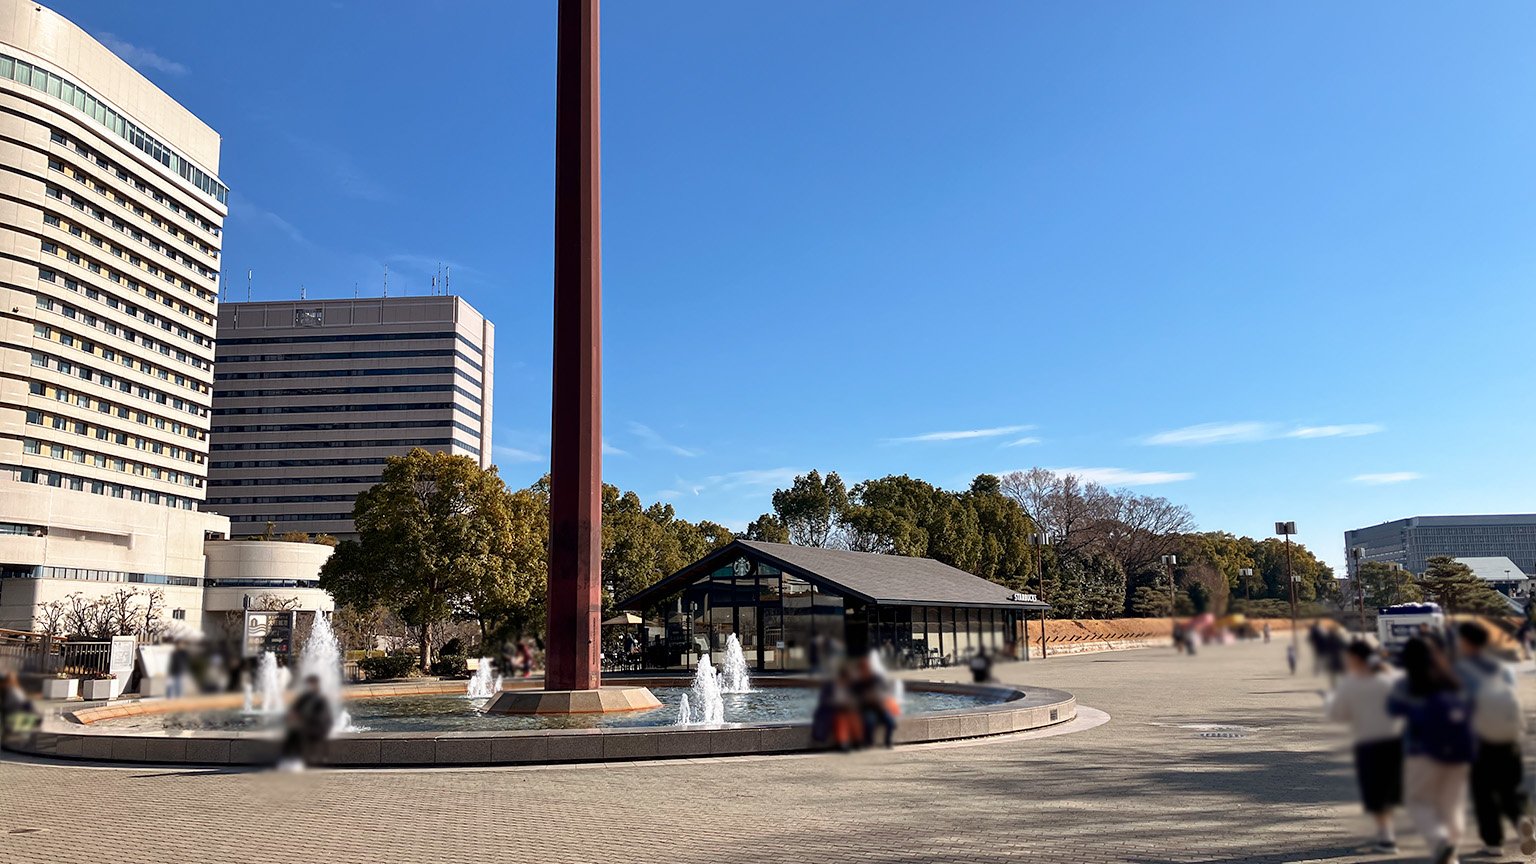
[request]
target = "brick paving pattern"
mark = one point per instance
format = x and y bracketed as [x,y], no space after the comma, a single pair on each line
[1167,779]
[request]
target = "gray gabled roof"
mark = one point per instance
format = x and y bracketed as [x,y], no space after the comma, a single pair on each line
[891,579]
[1496,568]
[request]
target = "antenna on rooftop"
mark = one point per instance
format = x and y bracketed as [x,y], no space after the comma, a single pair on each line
[301,293]
[447,278]
[248,275]
[386,280]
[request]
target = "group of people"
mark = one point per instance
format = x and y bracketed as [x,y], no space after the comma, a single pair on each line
[1426,736]
[856,704]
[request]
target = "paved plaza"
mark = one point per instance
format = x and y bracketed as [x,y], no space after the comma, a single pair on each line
[1217,758]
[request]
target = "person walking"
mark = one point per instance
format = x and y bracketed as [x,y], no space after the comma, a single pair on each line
[310,722]
[1438,745]
[179,669]
[1498,773]
[1361,701]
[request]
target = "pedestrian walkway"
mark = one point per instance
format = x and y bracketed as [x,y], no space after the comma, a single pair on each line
[1221,757]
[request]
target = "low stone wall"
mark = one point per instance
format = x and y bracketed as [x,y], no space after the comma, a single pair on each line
[74,739]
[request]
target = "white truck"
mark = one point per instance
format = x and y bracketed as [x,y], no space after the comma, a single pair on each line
[1395,625]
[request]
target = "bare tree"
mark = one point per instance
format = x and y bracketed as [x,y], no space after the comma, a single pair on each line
[1072,512]
[1143,528]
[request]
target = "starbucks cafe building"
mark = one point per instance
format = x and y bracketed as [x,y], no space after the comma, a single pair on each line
[788,603]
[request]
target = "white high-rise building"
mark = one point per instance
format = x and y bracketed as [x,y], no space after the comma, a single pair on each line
[111,214]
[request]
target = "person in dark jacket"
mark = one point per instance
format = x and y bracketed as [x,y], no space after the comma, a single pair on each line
[310,721]
[1438,745]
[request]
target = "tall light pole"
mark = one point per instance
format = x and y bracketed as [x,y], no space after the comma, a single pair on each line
[1246,574]
[1358,554]
[1169,562]
[1038,542]
[1286,529]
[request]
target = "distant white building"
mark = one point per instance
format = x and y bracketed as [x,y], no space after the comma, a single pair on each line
[1501,573]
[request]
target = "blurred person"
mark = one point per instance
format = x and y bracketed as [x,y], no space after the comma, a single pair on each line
[310,721]
[1315,642]
[1438,744]
[836,720]
[179,668]
[1498,779]
[981,667]
[1266,633]
[524,659]
[876,700]
[18,716]
[1360,700]
[1290,657]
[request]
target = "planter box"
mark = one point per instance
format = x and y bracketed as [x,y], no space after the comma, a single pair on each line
[97,688]
[61,688]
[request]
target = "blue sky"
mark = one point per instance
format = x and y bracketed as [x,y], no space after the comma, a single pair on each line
[1272,261]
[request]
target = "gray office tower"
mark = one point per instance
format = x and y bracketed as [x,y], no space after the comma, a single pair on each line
[310,396]
[1413,541]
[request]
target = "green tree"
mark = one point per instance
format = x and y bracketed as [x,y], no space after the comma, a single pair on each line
[811,508]
[1456,588]
[1385,585]
[432,535]
[766,529]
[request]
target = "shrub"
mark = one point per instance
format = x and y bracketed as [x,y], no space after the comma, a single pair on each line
[389,666]
[451,666]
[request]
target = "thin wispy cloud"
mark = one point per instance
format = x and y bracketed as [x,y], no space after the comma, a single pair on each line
[652,439]
[1023,442]
[1386,478]
[1346,430]
[341,169]
[1204,434]
[139,57]
[241,207]
[1125,476]
[516,454]
[610,450]
[732,481]
[959,435]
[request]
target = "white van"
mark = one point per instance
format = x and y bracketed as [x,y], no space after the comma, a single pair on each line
[1395,625]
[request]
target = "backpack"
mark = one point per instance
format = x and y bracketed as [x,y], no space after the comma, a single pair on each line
[1444,726]
[1496,714]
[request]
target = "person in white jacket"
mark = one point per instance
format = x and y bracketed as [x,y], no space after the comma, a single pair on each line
[1360,700]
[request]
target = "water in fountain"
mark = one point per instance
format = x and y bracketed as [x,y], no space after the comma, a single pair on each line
[265,694]
[321,658]
[735,678]
[684,715]
[483,685]
[708,705]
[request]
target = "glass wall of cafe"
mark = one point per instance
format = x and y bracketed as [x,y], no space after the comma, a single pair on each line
[786,623]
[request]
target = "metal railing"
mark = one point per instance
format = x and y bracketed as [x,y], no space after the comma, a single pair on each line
[36,654]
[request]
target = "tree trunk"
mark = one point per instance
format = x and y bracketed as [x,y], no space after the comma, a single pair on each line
[426,647]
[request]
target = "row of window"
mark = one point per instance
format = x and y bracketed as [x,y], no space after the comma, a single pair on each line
[291,463]
[88,181]
[109,327]
[340,373]
[86,373]
[43,81]
[34,447]
[149,267]
[341,409]
[104,433]
[278,499]
[317,445]
[113,436]
[112,355]
[152,218]
[337,391]
[299,481]
[60,480]
[17,529]
[343,355]
[84,574]
[338,427]
[294,517]
[261,583]
[351,337]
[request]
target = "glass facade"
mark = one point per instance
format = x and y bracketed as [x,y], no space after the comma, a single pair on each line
[790,624]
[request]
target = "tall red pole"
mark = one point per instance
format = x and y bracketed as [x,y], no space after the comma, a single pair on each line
[576,454]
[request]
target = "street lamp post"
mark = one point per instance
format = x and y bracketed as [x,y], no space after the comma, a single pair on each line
[1169,562]
[1246,574]
[1038,542]
[1358,553]
[1286,529]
